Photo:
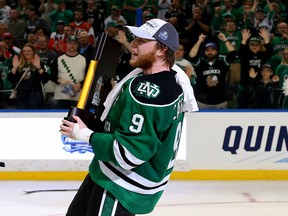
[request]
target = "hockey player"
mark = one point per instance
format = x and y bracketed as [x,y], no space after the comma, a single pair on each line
[135,154]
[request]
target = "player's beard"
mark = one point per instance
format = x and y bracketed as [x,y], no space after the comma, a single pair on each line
[144,61]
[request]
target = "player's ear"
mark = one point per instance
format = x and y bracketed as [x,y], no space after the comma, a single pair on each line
[162,51]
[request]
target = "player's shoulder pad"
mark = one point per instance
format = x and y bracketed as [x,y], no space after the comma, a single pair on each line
[157,89]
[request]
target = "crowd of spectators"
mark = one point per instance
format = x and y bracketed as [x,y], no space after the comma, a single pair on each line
[61,33]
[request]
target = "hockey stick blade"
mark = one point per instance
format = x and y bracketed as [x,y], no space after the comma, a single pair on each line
[49,190]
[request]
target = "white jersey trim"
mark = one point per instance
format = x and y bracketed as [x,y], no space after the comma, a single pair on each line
[125,159]
[145,186]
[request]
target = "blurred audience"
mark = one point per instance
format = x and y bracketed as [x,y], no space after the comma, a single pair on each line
[85,48]
[8,45]
[47,57]
[33,20]
[68,72]
[4,11]
[61,13]
[30,74]
[184,64]
[81,25]
[253,53]
[210,88]
[115,16]
[5,85]
[46,8]
[16,26]
[95,17]
[58,39]
[263,90]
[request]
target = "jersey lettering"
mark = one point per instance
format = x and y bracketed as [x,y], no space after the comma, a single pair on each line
[175,146]
[211,71]
[178,107]
[177,138]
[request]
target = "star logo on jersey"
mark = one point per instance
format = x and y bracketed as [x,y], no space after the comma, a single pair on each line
[147,89]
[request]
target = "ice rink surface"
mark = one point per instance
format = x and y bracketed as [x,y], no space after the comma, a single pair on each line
[181,198]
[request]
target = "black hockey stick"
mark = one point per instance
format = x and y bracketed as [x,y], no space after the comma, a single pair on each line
[49,190]
[2,164]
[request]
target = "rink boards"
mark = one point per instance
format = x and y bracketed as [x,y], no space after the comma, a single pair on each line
[230,145]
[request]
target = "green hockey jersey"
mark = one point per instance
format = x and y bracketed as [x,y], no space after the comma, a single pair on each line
[135,155]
